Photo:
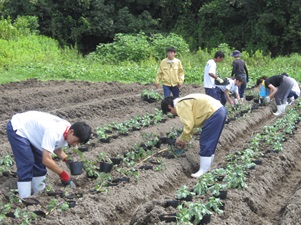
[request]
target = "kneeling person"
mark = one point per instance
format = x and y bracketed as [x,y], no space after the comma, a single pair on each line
[198,110]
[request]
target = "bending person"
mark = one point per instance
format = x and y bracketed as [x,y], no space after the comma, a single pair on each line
[198,110]
[279,87]
[222,92]
[34,136]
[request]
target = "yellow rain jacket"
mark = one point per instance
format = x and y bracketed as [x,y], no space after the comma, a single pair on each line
[194,110]
[170,74]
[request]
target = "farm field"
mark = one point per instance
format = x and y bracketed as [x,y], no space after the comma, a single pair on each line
[272,195]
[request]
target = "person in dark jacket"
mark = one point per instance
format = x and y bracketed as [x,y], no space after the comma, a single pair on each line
[240,69]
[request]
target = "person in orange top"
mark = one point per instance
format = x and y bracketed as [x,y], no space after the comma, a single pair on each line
[171,74]
[198,110]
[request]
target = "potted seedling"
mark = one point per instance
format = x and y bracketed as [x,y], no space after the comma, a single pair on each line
[184,194]
[215,205]
[103,137]
[123,130]
[106,164]
[219,174]
[91,169]
[158,116]
[194,212]
[219,190]
[150,96]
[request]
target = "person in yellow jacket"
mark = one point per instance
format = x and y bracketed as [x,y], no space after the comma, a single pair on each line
[198,110]
[171,74]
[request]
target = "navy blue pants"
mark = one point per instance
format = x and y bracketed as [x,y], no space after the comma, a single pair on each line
[221,96]
[292,94]
[242,88]
[211,92]
[28,158]
[169,89]
[211,132]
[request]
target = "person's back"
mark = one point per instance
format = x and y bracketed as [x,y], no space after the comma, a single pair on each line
[239,68]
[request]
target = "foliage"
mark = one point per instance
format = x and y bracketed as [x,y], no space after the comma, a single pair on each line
[151,94]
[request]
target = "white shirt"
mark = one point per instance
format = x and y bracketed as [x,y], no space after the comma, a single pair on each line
[230,87]
[43,130]
[296,87]
[209,68]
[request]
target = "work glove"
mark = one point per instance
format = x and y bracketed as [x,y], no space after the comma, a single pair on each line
[267,99]
[236,101]
[66,179]
[220,80]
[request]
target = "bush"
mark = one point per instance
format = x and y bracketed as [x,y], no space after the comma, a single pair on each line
[138,47]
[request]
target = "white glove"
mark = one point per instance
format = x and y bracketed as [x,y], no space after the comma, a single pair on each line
[220,80]
[267,99]
[236,101]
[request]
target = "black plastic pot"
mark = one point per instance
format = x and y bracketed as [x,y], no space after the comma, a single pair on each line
[108,131]
[206,219]
[104,140]
[172,203]
[121,179]
[136,128]
[168,155]
[187,199]
[249,97]
[163,140]
[56,193]
[105,167]
[30,201]
[76,168]
[40,213]
[116,161]
[171,141]
[146,167]
[220,178]
[83,149]
[71,203]
[222,195]
[257,162]
[149,100]
[163,120]
[222,207]
[10,214]
[9,173]
[171,217]
[158,144]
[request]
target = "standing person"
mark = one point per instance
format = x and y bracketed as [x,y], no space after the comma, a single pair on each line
[171,74]
[34,136]
[210,74]
[222,92]
[240,69]
[279,87]
[294,93]
[198,110]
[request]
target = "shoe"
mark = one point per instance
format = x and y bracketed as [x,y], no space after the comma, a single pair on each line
[280,110]
[205,163]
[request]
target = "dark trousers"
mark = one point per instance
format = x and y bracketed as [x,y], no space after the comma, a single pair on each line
[242,88]
[211,132]
[28,158]
[169,89]
[292,94]
[211,92]
[221,96]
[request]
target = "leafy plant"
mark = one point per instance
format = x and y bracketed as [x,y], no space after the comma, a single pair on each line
[193,210]
[217,188]
[151,94]
[183,192]
[214,204]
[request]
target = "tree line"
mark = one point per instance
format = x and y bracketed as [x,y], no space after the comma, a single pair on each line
[270,25]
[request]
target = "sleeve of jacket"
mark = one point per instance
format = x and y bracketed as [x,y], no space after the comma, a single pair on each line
[181,73]
[159,74]
[186,117]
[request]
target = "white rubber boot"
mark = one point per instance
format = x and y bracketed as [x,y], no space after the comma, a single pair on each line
[24,189]
[38,184]
[291,99]
[212,158]
[279,110]
[205,163]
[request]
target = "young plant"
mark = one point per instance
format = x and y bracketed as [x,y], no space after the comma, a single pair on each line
[102,182]
[192,212]
[151,95]
[183,192]
[214,204]
[217,188]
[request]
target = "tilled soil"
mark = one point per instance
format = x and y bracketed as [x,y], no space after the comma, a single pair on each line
[272,196]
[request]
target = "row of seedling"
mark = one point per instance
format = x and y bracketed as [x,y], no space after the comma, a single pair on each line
[113,130]
[214,184]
